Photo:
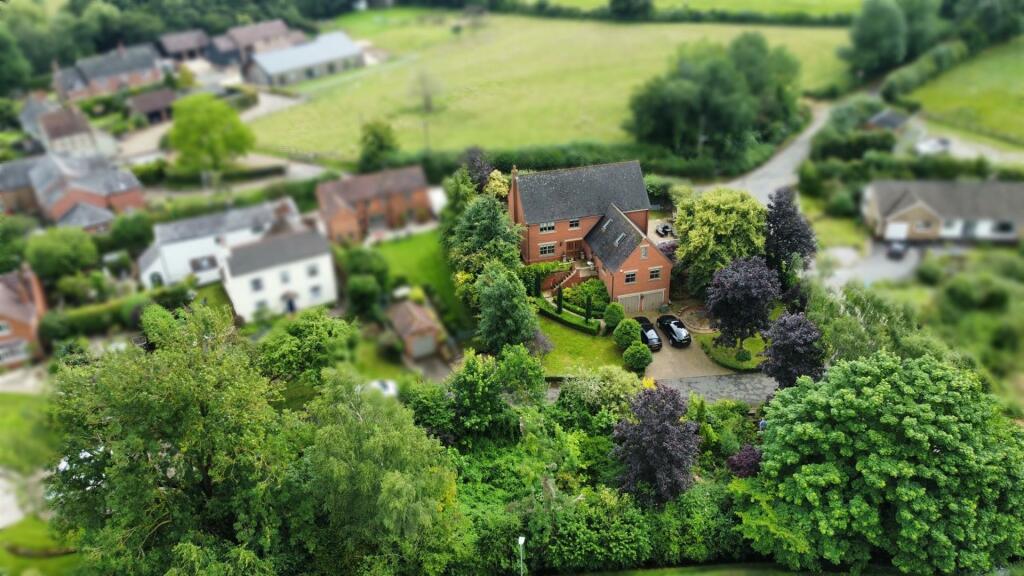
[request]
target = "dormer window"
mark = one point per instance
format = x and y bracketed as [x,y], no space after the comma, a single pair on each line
[574,224]
[547,227]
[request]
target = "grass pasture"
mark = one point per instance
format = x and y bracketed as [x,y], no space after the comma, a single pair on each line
[517,81]
[811,7]
[984,95]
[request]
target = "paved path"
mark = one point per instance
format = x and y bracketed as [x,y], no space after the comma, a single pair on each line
[875,267]
[751,388]
[31,380]
[782,169]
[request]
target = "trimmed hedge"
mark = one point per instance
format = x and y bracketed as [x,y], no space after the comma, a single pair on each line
[935,61]
[160,172]
[101,318]
[569,319]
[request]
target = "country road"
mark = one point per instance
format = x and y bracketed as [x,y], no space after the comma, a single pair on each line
[782,169]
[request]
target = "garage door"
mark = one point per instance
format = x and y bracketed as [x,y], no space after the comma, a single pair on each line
[630,303]
[423,346]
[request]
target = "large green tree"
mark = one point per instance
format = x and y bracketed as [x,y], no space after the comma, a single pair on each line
[506,315]
[773,78]
[923,24]
[13,239]
[714,229]
[907,460]
[208,134]
[377,141]
[14,68]
[300,348]
[371,492]
[169,457]
[460,189]
[878,38]
[59,252]
[483,233]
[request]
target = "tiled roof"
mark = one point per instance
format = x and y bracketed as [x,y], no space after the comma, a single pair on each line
[138,58]
[325,48]
[953,200]
[578,192]
[262,215]
[85,215]
[34,107]
[53,174]
[178,42]
[14,175]
[339,194]
[408,317]
[153,101]
[251,34]
[276,250]
[614,238]
[16,296]
[64,122]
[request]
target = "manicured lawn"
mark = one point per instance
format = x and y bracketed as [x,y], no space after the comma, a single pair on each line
[517,81]
[214,295]
[575,351]
[727,356]
[831,231]
[983,95]
[420,260]
[33,533]
[370,364]
[24,441]
[813,7]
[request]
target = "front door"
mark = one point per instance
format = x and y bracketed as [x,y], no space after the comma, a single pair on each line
[574,249]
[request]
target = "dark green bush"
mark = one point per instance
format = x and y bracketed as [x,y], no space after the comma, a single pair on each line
[637,357]
[547,309]
[626,333]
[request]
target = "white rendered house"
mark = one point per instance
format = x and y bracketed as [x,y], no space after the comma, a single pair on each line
[200,246]
[280,274]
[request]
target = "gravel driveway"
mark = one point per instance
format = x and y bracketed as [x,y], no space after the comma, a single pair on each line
[691,361]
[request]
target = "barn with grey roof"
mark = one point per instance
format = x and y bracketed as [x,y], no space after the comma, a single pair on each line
[328,54]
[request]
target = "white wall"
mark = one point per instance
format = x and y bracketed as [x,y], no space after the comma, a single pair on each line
[173,263]
[247,301]
[986,230]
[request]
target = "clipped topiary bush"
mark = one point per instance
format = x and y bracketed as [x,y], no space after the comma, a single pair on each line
[626,333]
[637,357]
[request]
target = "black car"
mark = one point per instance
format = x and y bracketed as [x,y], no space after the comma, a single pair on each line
[896,250]
[648,335]
[664,230]
[674,329]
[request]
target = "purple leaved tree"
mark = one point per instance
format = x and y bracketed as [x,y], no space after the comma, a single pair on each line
[746,462]
[787,233]
[740,299]
[794,350]
[658,450]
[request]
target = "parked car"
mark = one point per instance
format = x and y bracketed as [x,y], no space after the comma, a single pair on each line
[674,329]
[664,229]
[648,335]
[896,250]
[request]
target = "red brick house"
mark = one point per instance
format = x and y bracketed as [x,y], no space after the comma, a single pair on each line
[84,193]
[355,206]
[597,217]
[21,307]
[121,69]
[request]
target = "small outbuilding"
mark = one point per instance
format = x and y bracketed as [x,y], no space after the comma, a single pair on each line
[418,327]
[155,105]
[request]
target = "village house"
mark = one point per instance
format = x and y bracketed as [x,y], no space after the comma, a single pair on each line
[155,105]
[22,305]
[80,192]
[184,45]
[326,55]
[238,44]
[924,211]
[67,131]
[200,246]
[121,69]
[280,274]
[355,206]
[595,217]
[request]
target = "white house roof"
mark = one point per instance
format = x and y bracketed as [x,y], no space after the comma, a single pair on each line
[325,48]
[262,214]
[276,250]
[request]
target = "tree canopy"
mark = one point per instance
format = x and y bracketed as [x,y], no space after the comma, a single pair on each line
[208,134]
[59,252]
[903,459]
[878,38]
[787,233]
[740,299]
[794,349]
[714,229]
[377,141]
[506,315]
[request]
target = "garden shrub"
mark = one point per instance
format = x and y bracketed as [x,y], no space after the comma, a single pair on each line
[696,527]
[637,357]
[930,271]
[967,292]
[594,401]
[594,288]
[614,313]
[626,333]
[567,318]
[935,61]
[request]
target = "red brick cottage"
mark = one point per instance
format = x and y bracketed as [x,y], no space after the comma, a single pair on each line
[595,216]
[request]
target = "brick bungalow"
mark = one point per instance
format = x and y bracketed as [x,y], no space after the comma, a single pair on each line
[596,216]
[21,307]
[355,206]
[121,69]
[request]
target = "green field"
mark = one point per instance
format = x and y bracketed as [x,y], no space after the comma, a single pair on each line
[516,81]
[812,7]
[984,95]
[33,533]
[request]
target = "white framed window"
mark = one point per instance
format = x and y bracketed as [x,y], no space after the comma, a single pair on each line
[547,227]
[256,284]
[574,224]
[5,328]
[631,277]
[923,225]
[547,249]
[643,252]
[314,292]
[312,271]
[654,273]
[285,277]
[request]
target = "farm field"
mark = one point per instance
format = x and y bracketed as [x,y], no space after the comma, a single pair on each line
[983,95]
[812,7]
[516,81]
